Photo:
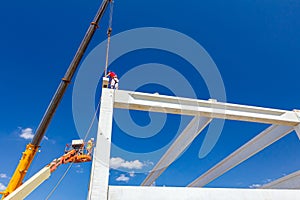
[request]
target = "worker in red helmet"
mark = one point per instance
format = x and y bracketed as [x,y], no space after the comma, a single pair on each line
[114,81]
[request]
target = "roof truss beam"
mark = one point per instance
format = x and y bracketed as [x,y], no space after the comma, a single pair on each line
[261,141]
[210,108]
[291,181]
[185,138]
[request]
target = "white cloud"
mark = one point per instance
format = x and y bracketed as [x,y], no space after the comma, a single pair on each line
[118,162]
[132,174]
[255,185]
[123,178]
[258,185]
[3,175]
[136,164]
[80,171]
[149,163]
[2,187]
[115,163]
[27,133]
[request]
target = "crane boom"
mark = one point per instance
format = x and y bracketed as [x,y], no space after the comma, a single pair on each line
[32,148]
[71,156]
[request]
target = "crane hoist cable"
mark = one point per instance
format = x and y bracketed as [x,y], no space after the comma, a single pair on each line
[68,169]
[93,120]
[109,30]
[58,183]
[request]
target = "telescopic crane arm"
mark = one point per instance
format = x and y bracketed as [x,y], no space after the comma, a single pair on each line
[33,147]
[75,155]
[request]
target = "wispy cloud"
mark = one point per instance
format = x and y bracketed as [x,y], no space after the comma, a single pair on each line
[132,174]
[2,186]
[79,169]
[27,133]
[258,185]
[131,166]
[118,162]
[255,185]
[123,178]
[2,175]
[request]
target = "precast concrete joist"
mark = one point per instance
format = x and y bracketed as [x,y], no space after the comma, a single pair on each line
[205,108]
[31,184]
[258,143]
[183,140]
[291,181]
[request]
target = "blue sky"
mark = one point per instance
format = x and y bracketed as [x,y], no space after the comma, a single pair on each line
[254,44]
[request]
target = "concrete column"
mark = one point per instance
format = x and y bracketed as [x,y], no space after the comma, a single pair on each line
[98,188]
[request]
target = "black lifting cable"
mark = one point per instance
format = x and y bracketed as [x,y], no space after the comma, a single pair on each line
[109,30]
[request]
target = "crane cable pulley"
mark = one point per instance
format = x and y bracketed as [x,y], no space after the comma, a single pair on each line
[109,30]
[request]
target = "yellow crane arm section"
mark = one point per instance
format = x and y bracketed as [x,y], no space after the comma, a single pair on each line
[21,169]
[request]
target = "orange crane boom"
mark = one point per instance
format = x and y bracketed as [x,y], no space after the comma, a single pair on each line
[75,155]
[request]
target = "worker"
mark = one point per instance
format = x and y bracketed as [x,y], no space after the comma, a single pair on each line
[114,81]
[80,150]
[67,148]
[89,146]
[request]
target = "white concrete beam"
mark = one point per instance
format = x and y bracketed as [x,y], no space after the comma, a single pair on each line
[98,188]
[291,181]
[261,141]
[211,109]
[183,193]
[297,128]
[31,184]
[185,138]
